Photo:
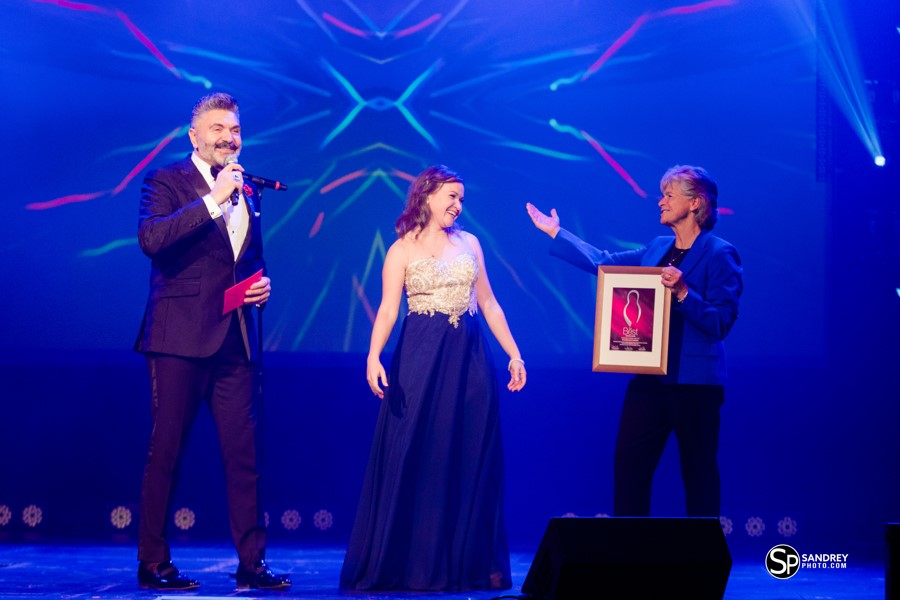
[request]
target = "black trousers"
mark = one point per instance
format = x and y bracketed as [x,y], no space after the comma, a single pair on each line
[178,386]
[651,412]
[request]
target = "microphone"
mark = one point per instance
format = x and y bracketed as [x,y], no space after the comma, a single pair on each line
[266,183]
[232,159]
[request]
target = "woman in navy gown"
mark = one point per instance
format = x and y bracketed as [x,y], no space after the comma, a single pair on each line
[430,514]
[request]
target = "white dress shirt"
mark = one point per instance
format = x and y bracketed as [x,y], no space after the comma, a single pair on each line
[237,219]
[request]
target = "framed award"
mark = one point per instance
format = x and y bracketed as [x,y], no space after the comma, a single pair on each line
[631,329]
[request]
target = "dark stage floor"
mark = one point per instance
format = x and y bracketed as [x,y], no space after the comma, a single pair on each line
[30,572]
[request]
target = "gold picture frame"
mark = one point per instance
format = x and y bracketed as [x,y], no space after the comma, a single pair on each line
[631,328]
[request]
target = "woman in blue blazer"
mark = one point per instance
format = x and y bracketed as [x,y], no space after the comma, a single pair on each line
[704,274]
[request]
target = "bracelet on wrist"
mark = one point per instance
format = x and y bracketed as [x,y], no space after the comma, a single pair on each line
[512,360]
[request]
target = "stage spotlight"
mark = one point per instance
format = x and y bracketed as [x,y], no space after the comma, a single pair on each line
[879,160]
[5,515]
[840,69]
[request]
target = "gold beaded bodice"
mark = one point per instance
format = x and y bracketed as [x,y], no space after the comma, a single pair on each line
[434,285]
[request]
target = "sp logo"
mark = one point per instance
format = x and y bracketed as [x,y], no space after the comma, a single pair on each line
[782,562]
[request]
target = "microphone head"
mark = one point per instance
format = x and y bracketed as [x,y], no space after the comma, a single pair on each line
[231,159]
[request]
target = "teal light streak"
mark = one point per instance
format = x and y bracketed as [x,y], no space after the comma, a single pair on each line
[450,16]
[353,197]
[217,56]
[626,245]
[537,60]
[580,135]
[108,247]
[379,175]
[566,129]
[206,83]
[365,19]
[295,123]
[396,189]
[299,202]
[377,249]
[315,19]
[566,81]
[145,147]
[360,104]
[402,14]
[407,114]
[573,314]
[315,309]
[468,83]
[465,125]
[542,151]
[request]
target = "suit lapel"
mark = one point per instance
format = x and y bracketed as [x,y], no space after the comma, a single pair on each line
[201,188]
[698,249]
[658,250]
[248,197]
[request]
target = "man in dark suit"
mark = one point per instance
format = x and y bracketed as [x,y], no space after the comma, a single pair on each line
[199,228]
[705,276]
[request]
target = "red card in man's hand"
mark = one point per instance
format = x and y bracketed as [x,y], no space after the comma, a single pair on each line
[234,296]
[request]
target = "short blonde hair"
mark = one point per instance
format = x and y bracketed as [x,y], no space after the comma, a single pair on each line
[695,182]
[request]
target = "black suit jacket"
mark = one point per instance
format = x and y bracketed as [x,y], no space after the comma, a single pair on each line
[192,264]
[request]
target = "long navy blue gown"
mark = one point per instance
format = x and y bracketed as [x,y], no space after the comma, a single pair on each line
[430,514]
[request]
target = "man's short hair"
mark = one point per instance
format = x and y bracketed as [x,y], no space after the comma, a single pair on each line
[217,101]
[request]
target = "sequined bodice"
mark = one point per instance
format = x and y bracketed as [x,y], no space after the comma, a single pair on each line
[433,285]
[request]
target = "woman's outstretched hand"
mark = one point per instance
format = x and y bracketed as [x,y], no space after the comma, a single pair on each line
[549,225]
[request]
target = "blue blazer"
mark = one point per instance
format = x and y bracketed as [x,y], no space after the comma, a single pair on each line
[699,324]
[192,263]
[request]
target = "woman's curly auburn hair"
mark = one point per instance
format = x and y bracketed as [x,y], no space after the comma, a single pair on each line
[417,212]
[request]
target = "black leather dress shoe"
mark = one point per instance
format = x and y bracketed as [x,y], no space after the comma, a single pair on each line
[166,577]
[261,577]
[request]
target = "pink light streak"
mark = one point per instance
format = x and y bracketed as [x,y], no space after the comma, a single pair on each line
[317,225]
[148,44]
[342,180]
[341,25]
[418,27]
[62,201]
[403,175]
[361,293]
[135,31]
[146,160]
[79,6]
[695,8]
[511,270]
[623,39]
[616,166]
[642,20]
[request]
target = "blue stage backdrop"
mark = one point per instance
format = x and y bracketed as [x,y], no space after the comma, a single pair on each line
[577,105]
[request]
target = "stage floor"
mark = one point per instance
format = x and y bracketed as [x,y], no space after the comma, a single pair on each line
[30,572]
